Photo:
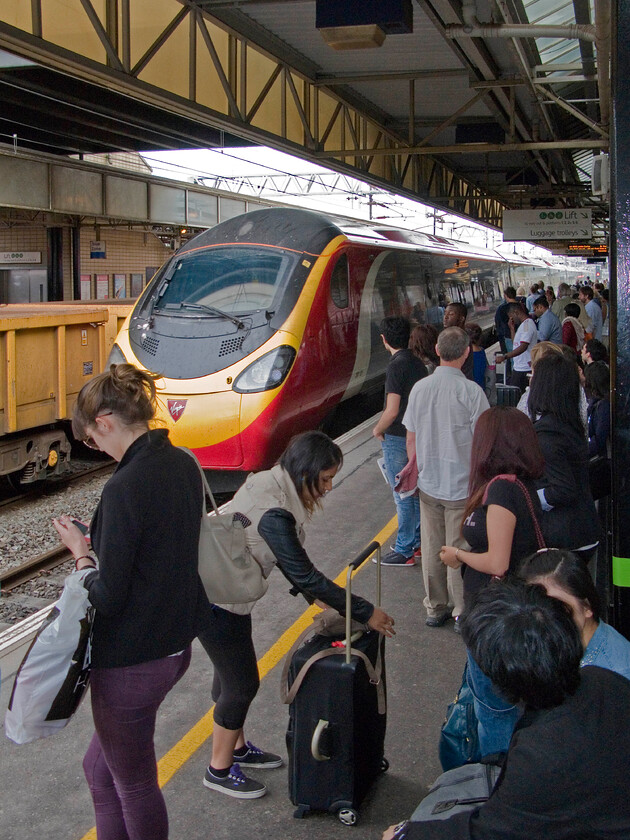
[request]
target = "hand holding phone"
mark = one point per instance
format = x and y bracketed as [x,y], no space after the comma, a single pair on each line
[81,526]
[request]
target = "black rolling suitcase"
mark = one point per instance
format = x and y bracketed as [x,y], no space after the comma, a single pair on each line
[337,716]
[508,395]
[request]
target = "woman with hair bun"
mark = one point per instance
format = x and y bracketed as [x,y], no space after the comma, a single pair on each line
[145,590]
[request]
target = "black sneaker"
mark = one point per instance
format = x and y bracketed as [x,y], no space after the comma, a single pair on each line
[393,558]
[258,758]
[438,620]
[235,784]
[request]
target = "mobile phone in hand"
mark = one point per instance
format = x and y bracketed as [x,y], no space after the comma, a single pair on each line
[81,526]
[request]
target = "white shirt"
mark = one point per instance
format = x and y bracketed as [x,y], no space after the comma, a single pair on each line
[442,411]
[527,332]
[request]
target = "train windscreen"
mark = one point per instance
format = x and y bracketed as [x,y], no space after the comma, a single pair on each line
[236,280]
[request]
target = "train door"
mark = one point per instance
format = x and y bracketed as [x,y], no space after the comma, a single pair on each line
[343,323]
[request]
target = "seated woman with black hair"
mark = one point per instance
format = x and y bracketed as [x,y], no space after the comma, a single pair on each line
[566,578]
[566,773]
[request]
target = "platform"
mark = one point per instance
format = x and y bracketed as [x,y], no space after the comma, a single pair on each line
[44,793]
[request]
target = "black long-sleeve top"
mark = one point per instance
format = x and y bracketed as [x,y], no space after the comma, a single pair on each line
[598,427]
[565,777]
[145,533]
[278,528]
[573,521]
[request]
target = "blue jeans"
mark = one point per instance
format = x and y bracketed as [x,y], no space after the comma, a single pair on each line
[120,765]
[495,716]
[408,510]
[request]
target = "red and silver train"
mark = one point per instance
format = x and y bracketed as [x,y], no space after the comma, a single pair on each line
[262,325]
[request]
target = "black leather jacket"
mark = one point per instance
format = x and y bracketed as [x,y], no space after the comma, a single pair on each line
[573,522]
[278,529]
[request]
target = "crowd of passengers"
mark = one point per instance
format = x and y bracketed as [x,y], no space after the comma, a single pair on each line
[494,502]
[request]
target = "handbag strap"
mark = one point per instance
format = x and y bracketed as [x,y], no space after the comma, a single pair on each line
[204,481]
[374,673]
[528,500]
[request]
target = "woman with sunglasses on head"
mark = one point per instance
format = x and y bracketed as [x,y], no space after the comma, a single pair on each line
[566,577]
[146,591]
[274,505]
[501,526]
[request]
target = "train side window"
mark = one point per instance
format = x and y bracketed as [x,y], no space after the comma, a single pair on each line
[339,287]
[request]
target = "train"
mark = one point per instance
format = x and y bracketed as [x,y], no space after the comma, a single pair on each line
[263,325]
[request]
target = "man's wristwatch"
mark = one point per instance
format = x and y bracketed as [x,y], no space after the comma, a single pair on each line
[401,830]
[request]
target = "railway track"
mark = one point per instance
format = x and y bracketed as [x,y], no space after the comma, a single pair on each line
[44,488]
[17,575]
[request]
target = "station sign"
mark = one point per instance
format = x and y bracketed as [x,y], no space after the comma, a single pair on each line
[578,249]
[587,249]
[520,225]
[21,257]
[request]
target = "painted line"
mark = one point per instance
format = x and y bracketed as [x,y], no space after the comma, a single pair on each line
[179,754]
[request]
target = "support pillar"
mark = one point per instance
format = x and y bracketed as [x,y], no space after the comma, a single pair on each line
[620,315]
[55,263]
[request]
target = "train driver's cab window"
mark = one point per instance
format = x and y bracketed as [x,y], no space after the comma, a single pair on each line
[339,283]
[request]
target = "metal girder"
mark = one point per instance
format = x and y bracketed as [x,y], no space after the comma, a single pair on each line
[483,148]
[173,54]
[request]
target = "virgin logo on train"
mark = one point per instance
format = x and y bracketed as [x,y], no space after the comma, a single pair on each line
[176,408]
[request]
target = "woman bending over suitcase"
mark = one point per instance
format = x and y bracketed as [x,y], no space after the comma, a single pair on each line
[145,533]
[275,504]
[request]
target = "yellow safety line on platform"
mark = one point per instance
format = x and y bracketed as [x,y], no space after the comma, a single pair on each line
[179,754]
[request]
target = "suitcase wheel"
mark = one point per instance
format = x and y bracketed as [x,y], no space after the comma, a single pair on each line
[384,765]
[348,816]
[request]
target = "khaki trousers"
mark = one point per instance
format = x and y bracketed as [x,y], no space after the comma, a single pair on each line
[440,524]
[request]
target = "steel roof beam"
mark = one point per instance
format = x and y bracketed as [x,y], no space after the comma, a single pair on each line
[475,148]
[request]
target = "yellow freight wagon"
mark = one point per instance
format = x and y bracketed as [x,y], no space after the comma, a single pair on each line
[47,353]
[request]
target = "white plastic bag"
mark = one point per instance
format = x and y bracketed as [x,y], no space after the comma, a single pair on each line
[54,674]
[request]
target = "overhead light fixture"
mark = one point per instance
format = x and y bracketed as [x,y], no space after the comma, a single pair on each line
[362,24]
[358,37]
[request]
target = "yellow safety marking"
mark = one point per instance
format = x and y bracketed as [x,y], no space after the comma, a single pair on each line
[178,755]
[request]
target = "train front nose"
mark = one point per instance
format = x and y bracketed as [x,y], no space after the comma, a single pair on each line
[207,423]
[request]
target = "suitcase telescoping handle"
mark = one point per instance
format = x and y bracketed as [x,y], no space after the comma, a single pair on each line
[373,548]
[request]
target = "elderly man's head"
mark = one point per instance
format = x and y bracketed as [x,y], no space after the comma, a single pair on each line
[453,345]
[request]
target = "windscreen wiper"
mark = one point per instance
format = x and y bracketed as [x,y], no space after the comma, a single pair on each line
[212,310]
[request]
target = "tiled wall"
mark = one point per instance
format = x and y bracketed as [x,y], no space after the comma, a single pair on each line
[126,252]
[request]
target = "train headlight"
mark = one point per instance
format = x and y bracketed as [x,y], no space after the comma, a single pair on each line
[116,357]
[265,373]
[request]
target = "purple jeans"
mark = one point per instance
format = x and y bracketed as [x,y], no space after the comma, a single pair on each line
[120,765]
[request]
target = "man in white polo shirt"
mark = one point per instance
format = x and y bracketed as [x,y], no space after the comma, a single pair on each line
[525,337]
[440,420]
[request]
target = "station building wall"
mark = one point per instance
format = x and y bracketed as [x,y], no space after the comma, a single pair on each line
[120,264]
[131,258]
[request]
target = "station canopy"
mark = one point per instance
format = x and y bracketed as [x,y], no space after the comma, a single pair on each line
[473,107]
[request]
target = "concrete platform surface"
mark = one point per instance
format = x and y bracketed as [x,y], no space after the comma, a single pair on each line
[44,793]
